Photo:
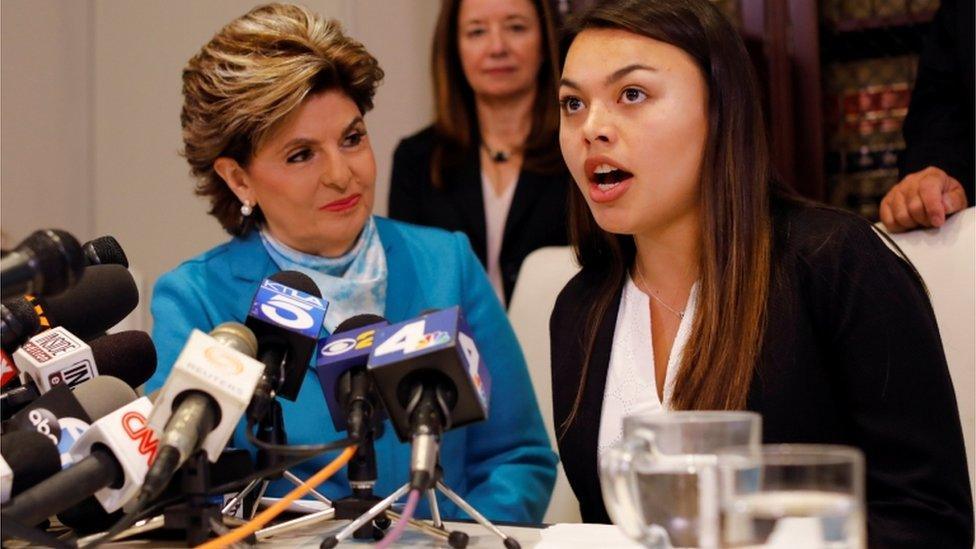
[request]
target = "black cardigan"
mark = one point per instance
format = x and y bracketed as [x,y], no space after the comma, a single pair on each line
[851,355]
[537,217]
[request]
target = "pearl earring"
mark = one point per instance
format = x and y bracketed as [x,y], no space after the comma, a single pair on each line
[246,208]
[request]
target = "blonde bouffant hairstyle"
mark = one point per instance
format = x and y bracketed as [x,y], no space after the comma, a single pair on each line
[251,75]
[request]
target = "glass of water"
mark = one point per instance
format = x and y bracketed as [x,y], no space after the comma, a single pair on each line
[795,496]
[661,482]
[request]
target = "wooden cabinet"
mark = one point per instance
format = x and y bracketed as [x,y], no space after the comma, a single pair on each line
[837,78]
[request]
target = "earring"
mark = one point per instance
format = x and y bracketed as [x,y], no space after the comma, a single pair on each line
[246,208]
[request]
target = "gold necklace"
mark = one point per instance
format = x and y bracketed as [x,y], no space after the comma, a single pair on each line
[647,289]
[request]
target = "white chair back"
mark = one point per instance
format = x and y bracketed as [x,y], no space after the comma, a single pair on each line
[946,259]
[544,273]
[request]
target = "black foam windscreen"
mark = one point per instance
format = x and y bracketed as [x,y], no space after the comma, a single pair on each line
[129,356]
[358,321]
[31,456]
[104,250]
[102,298]
[20,322]
[298,281]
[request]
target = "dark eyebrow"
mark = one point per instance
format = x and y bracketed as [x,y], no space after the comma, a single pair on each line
[617,75]
[480,21]
[306,141]
[620,73]
[568,83]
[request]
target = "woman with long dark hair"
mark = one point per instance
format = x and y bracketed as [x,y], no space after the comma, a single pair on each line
[706,285]
[489,165]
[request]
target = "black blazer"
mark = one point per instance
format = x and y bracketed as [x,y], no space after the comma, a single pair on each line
[537,217]
[939,129]
[851,355]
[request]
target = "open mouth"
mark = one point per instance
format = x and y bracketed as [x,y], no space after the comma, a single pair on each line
[607,177]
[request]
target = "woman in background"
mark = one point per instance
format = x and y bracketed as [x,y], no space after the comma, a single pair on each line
[273,129]
[705,285]
[489,165]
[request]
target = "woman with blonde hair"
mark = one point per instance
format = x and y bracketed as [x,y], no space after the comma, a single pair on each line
[274,130]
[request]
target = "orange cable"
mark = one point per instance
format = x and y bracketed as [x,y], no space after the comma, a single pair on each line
[270,513]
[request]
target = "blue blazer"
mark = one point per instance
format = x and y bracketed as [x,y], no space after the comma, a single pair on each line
[504,467]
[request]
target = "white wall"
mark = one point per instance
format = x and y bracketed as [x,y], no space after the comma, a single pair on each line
[45,118]
[90,114]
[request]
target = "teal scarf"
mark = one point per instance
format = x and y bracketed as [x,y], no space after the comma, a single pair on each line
[353,283]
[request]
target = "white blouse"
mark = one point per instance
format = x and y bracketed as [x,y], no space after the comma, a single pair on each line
[496,212]
[631,386]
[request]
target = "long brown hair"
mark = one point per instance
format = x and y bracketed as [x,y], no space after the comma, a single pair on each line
[455,119]
[736,184]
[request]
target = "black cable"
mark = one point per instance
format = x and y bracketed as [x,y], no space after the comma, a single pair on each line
[136,515]
[133,517]
[14,528]
[296,450]
[121,525]
[269,471]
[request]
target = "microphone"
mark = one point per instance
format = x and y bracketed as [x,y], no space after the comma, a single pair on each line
[46,413]
[58,357]
[203,398]
[111,457]
[431,378]
[104,250]
[47,262]
[341,369]
[17,323]
[62,415]
[286,316]
[100,397]
[101,299]
[28,457]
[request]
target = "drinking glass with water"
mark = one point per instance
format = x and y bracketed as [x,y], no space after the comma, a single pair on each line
[794,496]
[661,483]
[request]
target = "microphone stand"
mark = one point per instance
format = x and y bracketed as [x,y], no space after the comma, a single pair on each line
[195,516]
[436,528]
[198,517]
[456,538]
[362,479]
[429,413]
[271,430]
